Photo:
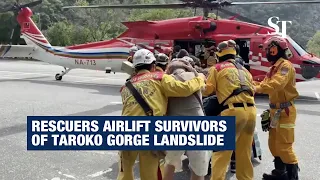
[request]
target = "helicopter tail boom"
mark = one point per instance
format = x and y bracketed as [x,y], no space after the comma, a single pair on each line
[30,31]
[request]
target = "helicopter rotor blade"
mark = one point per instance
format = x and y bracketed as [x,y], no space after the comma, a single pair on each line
[6,9]
[271,2]
[238,16]
[189,3]
[32,4]
[137,6]
[17,6]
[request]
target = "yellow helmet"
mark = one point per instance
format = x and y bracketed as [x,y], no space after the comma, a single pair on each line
[226,47]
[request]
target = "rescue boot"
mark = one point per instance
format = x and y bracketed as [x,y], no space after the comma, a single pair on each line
[233,163]
[292,171]
[279,173]
[233,167]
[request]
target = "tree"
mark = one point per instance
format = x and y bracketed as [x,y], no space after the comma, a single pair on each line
[6,27]
[59,34]
[153,15]
[314,44]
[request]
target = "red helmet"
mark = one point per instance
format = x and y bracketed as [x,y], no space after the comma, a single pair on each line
[275,40]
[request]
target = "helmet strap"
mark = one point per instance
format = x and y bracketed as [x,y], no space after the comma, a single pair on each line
[274,52]
[226,57]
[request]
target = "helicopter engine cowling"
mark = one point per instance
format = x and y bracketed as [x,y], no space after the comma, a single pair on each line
[205,24]
[309,69]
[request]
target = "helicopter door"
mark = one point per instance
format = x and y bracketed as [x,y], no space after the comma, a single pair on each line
[255,54]
[244,45]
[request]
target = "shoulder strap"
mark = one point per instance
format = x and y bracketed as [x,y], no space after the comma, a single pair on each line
[243,86]
[241,73]
[139,99]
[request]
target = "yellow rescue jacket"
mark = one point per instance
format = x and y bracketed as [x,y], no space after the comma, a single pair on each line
[223,79]
[155,88]
[279,83]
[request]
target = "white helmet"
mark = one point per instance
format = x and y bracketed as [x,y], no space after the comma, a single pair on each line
[162,59]
[143,56]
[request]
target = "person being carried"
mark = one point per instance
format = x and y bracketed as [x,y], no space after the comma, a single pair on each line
[182,53]
[182,70]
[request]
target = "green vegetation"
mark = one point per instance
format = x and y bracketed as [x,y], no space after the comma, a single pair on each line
[314,44]
[76,26]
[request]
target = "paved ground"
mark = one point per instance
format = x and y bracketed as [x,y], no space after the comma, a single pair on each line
[29,88]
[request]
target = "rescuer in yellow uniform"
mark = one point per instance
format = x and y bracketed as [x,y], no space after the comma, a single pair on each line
[155,88]
[279,84]
[234,89]
[162,61]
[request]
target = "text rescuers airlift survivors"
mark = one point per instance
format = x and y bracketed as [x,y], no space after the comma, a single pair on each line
[128,126]
[125,133]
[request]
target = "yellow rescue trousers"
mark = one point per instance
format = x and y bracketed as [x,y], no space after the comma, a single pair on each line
[245,125]
[281,139]
[149,165]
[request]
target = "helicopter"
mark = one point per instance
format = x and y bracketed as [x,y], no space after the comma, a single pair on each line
[158,36]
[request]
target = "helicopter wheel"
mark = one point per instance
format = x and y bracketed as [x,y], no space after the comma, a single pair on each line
[58,77]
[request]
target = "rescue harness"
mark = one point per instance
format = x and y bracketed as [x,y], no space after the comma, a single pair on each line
[146,108]
[214,108]
[243,88]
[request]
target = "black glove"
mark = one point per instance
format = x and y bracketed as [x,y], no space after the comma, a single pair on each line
[265,120]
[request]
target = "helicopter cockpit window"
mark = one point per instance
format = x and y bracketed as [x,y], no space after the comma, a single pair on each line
[297,47]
